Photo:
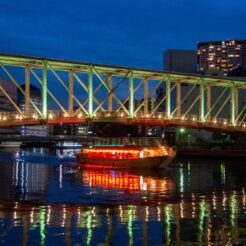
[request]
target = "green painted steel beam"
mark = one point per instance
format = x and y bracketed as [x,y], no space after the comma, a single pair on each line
[131,95]
[233,105]
[17,60]
[44,92]
[202,101]
[90,92]
[168,98]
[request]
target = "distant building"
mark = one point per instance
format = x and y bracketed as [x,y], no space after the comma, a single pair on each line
[6,105]
[35,96]
[184,61]
[220,57]
[10,88]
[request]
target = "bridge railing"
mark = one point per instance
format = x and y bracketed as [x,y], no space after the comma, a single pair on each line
[181,119]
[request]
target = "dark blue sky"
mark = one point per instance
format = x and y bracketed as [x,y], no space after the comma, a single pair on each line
[120,32]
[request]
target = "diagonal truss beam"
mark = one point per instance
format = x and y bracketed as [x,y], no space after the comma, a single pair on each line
[216,102]
[49,92]
[162,100]
[11,100]
[67,89]
[223,105]
[111,91]
[21,90]
[184,98]
[86,89]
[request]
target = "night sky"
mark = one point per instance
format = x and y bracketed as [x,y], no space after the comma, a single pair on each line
[119,32]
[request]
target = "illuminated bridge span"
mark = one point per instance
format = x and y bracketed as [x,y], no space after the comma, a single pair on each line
[76,92]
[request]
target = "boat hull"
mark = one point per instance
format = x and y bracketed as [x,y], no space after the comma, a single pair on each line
[149,162]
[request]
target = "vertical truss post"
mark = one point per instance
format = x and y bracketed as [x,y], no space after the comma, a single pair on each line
[146,96]
[70,96]
[27,90]
[168,97]
[236,102]
[208,106]
[233,104]
[131,95]
[202,101]
[90,91]
[178,99]
[110,97]
[44,91]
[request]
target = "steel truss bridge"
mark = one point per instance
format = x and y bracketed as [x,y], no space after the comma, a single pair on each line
[102,93]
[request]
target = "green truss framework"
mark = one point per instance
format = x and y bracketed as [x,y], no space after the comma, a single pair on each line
[92,108]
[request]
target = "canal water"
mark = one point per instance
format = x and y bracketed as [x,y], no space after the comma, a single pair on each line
[49,199]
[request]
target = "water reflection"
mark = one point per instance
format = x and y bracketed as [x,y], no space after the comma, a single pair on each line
[191,202]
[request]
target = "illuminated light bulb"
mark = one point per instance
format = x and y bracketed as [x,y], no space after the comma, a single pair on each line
[182,118]
[4,118]
[80,115]
[159,116]
[65,115]
[20,117]
[225,122]
[193,118]
[17,116]
[244,125]
[50,116]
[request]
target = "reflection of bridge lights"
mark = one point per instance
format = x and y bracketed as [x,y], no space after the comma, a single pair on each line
[214,201]
[244,198]
[181,207]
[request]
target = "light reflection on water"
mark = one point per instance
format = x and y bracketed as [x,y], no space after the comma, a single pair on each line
[57,202]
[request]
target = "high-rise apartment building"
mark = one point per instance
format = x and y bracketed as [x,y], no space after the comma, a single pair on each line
[220,57]
[184,61]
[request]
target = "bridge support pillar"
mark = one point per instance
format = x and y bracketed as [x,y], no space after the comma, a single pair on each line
[168,98]
[90,92]
[44,91]
[70,97]
[233,105]
[110,97]
[202,101]
[178,99]
[146,96]
[131,95]
[27,90]
[208,113]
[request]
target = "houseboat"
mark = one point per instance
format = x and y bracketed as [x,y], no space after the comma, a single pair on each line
[126,155]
